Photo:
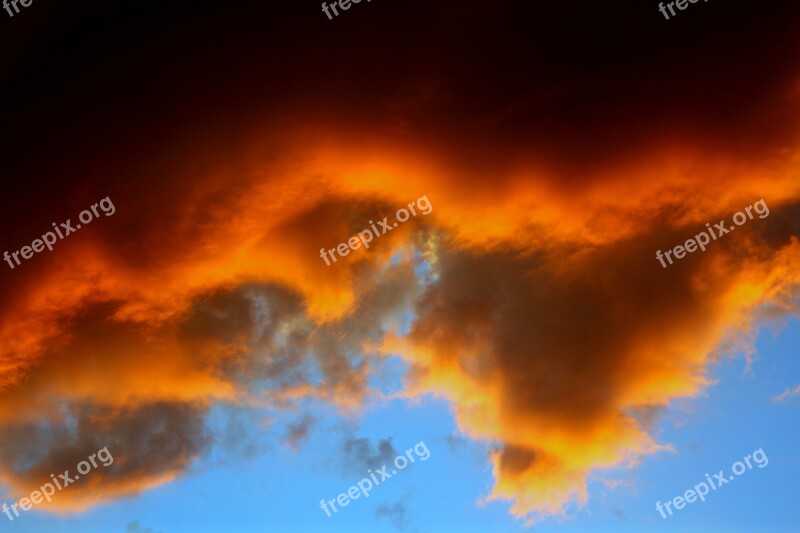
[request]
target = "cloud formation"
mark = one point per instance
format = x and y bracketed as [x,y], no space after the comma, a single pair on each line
[787,394]
[533,299]
[359,456]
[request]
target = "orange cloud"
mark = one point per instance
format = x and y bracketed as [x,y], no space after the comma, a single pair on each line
[548,322]
[544,318]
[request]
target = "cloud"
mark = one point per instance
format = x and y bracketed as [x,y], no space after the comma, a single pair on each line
[786,395]
[144,386]
[298,432]
[360,455]
[150,445]
[545,318]
[557,353]
[241,435]
[396,513]
[535,302]
[135,527]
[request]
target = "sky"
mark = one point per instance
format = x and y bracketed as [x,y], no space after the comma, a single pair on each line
[529,333]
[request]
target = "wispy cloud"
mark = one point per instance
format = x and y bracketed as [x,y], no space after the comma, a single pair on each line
[786,395]
[359,454]
[135,527]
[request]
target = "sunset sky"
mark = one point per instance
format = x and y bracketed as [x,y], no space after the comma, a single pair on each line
[523,329]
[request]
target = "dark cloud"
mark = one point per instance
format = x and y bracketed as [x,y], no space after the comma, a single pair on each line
[575,83]
[395,512]
[145,392]
[241,436]
[360,455]
[262,330]
[298,432]
[147,444]
[567,355]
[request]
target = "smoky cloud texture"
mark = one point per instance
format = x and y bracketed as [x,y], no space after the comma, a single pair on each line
[150,444]
[562,356]
[360,454]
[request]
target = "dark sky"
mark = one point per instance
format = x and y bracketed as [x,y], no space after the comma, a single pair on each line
[89,85]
